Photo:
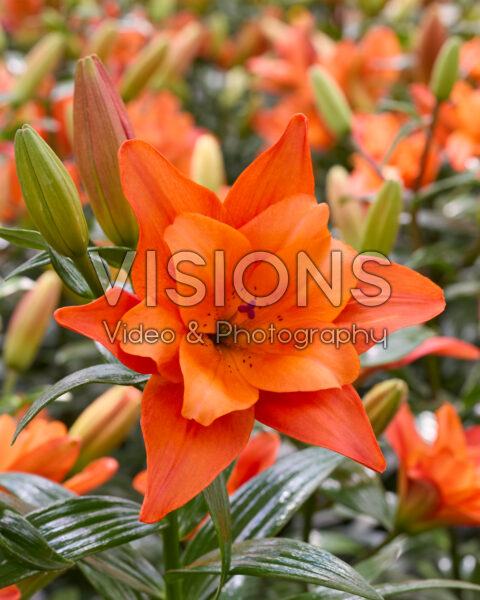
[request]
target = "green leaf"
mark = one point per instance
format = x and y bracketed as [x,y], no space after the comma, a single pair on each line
[361,491]
[114,255]
[25,238]
[13,571]
[264,505]
[81,526]
[125,566]
[27,545]
[191,514]
[69,274]
[33,490]
[111,374]
[108,587]
[371,568]
[389,590]
[399,344]
[285,559]
[218,503]
[39,260]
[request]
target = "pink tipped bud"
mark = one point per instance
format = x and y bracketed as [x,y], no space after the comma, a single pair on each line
[100,126]
[29,322]
[105,424]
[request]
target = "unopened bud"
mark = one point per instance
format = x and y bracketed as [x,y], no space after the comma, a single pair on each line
[445,70]
[181,51]
[331,101]
[100,126]
[105,423]
[29,322]
[383,401]
[40,62]
[50,194]
[371,7]
[383,219]
[207,167]
[102,40]
[432,35]
[158,11]
[346,210]
[141,70]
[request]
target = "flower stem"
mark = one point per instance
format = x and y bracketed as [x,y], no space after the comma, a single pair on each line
[9,383]
[85,266]
[456,559]
[171,555]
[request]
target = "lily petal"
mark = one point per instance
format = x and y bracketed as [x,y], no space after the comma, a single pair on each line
[157,193]
[92,476]
[413,299]
[98,319]
[283,170]
[334,419]
[183,457]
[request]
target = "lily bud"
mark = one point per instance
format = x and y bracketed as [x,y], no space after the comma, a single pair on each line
[432,35]
[29,322]
[105,423]
[100,126]
[383,219]
[331,101]
[181,51]
[141,70]
[103,39]
[418,499]
[40,62]
[445,70]
[207,166]
[50,194]
[383,401]
[346,211]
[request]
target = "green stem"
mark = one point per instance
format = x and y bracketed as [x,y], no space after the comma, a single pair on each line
[85,266]
[171,555]
[415,228]
[8,387]
[456,559]
[388,540]
[308,512]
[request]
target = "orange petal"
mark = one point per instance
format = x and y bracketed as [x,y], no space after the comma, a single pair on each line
[291,221]
[92,476]
[439,346]
[258,455]
[413,299]
[140,482]
[333,419]
[213,384]
[204,237]
[10,593]
[98,319]
[7,431]
[52,460]
[158,192]
[283,170]
[450,434]
[183,457]
[403,436]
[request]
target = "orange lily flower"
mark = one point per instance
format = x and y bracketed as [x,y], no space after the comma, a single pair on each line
[375,134]
[159,119]
[464,142]
[199,406]
[44,448]
[470,58]
[439,483]
[258,455]
[11,203]
[10,593]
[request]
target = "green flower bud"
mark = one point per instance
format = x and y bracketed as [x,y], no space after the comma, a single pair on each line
[383,401]
[207,167]
[445,69]
[383,219]
[29,322]
[50,194]
[331,101]
[346,211]
[105,423]
[40,62]
[100,126]
[142,69]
